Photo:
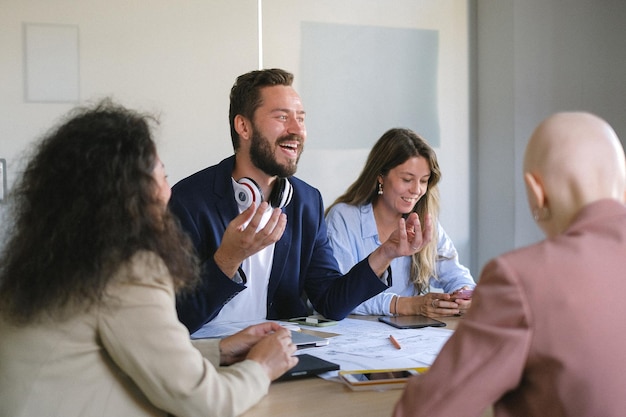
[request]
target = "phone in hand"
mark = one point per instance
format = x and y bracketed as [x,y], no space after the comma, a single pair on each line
[464,294]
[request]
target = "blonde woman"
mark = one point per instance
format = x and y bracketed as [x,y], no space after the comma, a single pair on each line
[400,177]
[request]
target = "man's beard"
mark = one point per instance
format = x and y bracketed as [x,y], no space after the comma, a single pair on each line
[262,156]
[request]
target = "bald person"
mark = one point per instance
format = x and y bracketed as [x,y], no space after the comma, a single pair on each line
[544,335]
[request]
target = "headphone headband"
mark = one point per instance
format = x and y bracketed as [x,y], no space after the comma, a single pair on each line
[247,191]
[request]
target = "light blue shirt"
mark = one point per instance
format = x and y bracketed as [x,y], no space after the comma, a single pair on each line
[353,236]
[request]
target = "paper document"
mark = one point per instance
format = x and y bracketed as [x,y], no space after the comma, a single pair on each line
[364,344]
[361,344]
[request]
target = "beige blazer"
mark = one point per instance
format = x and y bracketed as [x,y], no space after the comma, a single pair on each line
[544,335]
[129,356]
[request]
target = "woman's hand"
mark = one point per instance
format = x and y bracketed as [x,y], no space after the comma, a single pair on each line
[268,343]
[235,348]
[274,353]
[442,305]
[438,305]
[430,305]
[463,300]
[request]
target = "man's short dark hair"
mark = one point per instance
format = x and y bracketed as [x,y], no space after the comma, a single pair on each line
[245,95]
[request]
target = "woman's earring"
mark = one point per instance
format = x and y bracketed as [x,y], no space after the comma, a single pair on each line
[380,188]
[541,214]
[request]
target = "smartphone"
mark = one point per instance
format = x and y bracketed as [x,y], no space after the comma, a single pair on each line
[314,321]
[464,294]
[379,378]
[411,322]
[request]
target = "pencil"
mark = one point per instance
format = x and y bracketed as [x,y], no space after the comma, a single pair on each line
[395,342]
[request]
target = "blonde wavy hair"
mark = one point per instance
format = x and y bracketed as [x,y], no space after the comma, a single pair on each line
[395,147]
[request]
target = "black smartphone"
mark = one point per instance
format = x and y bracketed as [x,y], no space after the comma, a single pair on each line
[411,322]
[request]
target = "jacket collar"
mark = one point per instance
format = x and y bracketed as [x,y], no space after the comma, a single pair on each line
[594,212]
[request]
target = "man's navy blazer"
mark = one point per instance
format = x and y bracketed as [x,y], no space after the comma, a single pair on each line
[303,265]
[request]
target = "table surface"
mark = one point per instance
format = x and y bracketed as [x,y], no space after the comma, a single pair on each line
[317,397]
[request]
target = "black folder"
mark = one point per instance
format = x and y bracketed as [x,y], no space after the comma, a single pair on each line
[308,366]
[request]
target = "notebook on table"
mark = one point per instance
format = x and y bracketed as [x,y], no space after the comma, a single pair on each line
[308,366]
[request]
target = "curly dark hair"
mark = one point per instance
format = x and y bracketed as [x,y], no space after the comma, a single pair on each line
[87,202]
[245,95]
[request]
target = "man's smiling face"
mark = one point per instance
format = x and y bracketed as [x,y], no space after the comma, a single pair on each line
[279,132]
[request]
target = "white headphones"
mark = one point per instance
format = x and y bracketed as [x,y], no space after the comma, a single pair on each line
[247,191]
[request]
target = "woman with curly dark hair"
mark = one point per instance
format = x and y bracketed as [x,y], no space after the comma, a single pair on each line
[88,278]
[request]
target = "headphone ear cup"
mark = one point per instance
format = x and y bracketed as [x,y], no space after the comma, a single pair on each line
[247,191]
[281,193]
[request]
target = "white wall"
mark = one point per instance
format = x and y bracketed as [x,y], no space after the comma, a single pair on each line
[180,58]
[332,170]
[534,58]
[175,58]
